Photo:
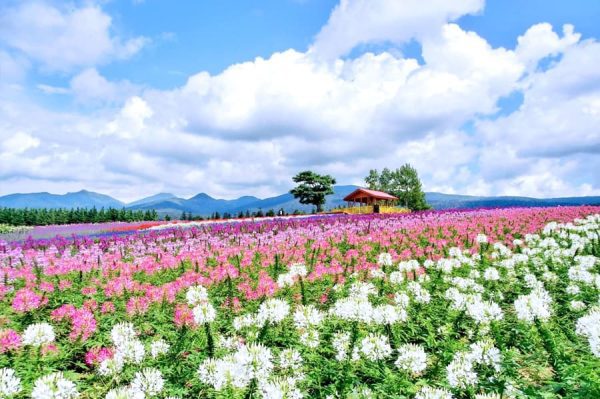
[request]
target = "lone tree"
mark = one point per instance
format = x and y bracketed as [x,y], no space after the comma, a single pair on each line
[403,183]
[313,188]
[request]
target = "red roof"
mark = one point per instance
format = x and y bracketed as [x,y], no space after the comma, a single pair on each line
[380,195]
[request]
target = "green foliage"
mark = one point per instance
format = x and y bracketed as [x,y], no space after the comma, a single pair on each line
[44,216]
[403,183]
[313,188]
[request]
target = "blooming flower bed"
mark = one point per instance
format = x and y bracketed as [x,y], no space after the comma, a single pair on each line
[477,304]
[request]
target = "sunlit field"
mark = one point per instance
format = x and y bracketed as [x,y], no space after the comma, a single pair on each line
[460,304]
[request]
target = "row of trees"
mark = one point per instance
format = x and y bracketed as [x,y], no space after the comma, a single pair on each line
[403,183]
[227,215]
[44,216]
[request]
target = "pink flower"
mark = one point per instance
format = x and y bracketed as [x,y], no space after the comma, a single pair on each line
[183,317]
[96,355]
[107,307]
[26,300]
[50,348]
[10,340]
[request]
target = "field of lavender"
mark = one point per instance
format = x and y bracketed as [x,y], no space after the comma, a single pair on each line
[483,304]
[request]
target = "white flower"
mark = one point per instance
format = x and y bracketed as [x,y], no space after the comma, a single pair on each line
[375,347]
[298,269]
[307,316]
[411,358]
[290,359]
[487,396]
[223,372]
[491,274]
[481,239]
[272,311]
[589,327]
[377,273]
[535,305]
[353,308]
[573,289]
[131,351]
[280,388]
[341,343]
[159,347]
[460,373]
[433,393]
[10,384]
[38,334]
[384,259]
[149,381]
[420,294]
[388,314]
[310,338]
[362,290]
[122,333]
[54,386]
[124,393]
[204,313]
[484,312]
[396,277]
[256,359]
[577,305]
[111,367]
[196,295]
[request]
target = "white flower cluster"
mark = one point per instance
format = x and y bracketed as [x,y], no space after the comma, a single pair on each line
[535,305]
[375,347]
[159,347]
[149,381]
[588,326]
[385,259]
[125,392]
[54,386]
[196,295]
[341,343]
[10,384]
[280,388]
[289,278]
[203,311]
[420,294]
[254,362]
[307,320]
[461,371]
[484,312]
[128,349]
[412,359]
[433,393]
[271,311]
[38,334]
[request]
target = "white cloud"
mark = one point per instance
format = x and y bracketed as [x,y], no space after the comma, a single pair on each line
[355,22]
[64,38]
[541,41]
[248,129]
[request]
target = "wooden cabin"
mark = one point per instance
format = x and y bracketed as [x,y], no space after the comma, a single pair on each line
[369,201]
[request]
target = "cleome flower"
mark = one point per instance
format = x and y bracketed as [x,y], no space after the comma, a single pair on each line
[10,384]
[38,334]
[54,386]
[412,359]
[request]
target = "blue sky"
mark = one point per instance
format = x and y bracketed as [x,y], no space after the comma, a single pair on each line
[494,97]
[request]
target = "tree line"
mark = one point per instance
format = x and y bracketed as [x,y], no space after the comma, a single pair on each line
[45,216]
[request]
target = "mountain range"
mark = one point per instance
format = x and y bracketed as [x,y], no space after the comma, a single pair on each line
[203,204]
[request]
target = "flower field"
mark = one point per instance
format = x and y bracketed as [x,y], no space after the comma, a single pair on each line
[476,304]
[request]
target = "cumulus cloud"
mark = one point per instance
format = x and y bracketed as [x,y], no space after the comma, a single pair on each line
[249,128]
[355,22]
[64,38]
